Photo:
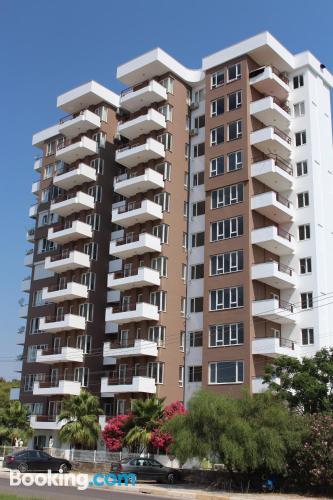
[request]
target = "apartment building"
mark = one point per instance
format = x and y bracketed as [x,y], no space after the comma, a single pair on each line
[182,230]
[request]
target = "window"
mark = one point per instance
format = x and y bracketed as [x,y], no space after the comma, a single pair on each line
[300,138]
[94,220]
[87,311]
[195,373]
[227,228]
[156,370]
[301,168]
[164,169]
[228,195]
[37,298]
[161,265]
[234,130]
[81,374]
[45,196]
[303,199]
[198,208]
[217,79]
[121,405]
[157,334]
[226,372]
[306,300]
[89,279]
[96,192]
[305,265]
[299,109]
[100,138]
[98,165]
[84,342]
[198,239]
[217,135]
[199,149]
[181,376]
[166,140]
[199,95]
[59,167]
[298,81]
[195,339]
[226,298]
[217,107]
[34,326]
[234,72]
[234,100]
[163,199]
[185,209]
[186,180]
[44,245]
[102,112]
[197,271]
[168,84]
[182,341]
[304,232]
[226,334]
[199,121]
[235,161]
[199,178]
[229,262]
[307,336]
[196,304]
[159,299]
[162,232]
[187,150]
[31,378]
[48,171]
[216,166]
[184,272]
[91,249]
[166,111]
[183,305]
[32,352]
[185,240]
[51,148]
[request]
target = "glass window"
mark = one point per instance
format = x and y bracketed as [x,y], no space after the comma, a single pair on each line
[226,334]
[226,372]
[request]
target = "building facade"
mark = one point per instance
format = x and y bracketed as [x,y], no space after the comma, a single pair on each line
[182,234]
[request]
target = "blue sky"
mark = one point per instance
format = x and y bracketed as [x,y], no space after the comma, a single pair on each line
[49,47]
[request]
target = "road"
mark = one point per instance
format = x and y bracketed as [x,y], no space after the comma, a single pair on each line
[61,493]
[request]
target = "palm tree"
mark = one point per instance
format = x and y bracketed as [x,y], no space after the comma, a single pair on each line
[80,414]
[14,422]
[146,415]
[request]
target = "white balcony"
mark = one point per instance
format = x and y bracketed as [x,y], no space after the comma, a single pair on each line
[29,259]
[68,261]
[63,388]
[142,125]
[65,355]
[30,235]
[140,311]
[33,211]
[143,276]
[73,126]
[273,172]
[35,187]
[274,239]
[270,111]
[129,186]
[273,347]
[25,285]
[274,274]
[133,100]
[273,206]
[269,81]
[66,322]
[77,231]
[274,310]
[137,213]
[110,387]
[130,156]
[83,173]
[140,347]
[45,423]
[70,291]
[73,204]
[23,311]
[38,164]
[271,140]
[86,95]
[141,244]
[77,150]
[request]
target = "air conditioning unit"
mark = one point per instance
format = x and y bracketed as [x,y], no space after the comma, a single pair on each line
[194,105]
[194,131]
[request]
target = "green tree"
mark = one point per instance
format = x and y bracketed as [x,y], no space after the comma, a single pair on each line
[146,416]
[306,384]
[246,435]
[80,414]
[14,422]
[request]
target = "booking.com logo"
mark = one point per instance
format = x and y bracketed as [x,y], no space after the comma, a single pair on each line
[79,481]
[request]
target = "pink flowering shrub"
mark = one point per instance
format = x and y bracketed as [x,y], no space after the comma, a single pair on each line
[113,432]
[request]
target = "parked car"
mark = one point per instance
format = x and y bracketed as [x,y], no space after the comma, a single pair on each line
[145,468]
[35,460]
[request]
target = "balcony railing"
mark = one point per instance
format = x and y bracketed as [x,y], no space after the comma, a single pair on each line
[46,418]
[279,161]
[287,306]
[126,307]
[281,199]
[283,268]
[132,239]
[55,318]
[139,86]
[283,233]
[63,255]
[62,285]
[29,251]
[117,379]
[129,207]
[282,105]
[276,130]
[278,73]
[129,146]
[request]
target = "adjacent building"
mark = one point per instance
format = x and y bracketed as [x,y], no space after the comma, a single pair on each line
[182,230]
